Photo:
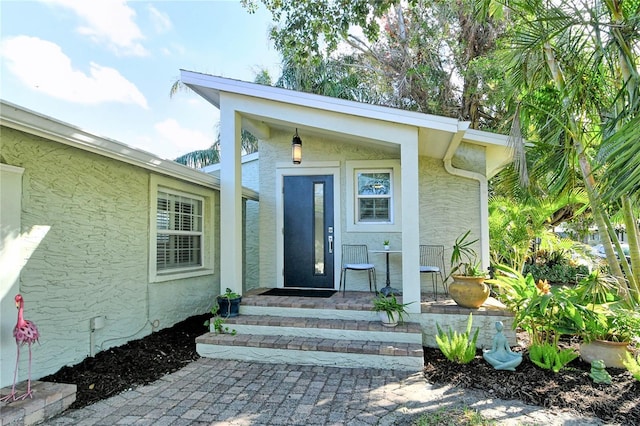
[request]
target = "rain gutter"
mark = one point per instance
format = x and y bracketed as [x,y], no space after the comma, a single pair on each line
[484,190]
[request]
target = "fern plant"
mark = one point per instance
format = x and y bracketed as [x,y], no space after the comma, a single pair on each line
[550,357]
[633,365]
[457,347]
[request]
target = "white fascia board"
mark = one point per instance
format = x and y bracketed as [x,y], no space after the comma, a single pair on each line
[479,137]
[305,116]
[22,119]
[209,87]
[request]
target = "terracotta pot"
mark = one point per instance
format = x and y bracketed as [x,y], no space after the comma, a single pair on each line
[468,292]
[612,353]
[384,317]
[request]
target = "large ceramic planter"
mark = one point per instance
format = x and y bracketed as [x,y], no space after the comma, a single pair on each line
[612,353]
[468,292]
[389,322]
[229,307]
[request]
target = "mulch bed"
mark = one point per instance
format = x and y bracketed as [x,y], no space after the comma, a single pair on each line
[143,361]
[133,364]
[571,388]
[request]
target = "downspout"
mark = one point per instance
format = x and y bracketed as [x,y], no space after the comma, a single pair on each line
[484,190]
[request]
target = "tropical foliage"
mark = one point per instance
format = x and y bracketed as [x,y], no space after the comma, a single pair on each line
[633,365]
[576,82]
[556,266]
[458,347]
[546,312]
[551,357]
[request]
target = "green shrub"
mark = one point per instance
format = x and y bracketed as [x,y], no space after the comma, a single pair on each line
[553,266]
[550,357]
[633,365]
[457,347]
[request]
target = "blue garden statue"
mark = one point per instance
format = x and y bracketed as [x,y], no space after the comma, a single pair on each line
[500,356]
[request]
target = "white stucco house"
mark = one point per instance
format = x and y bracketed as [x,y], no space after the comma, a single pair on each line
[108,243]
[434,171]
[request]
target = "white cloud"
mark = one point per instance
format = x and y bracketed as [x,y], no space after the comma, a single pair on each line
[41,65]
[180,139]
[160,20]
[109,22]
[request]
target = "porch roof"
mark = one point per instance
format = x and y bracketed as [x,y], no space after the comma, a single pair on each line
[436,133]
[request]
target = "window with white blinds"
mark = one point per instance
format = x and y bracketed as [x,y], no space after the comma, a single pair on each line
[374,196]
[179,231]
[373,191]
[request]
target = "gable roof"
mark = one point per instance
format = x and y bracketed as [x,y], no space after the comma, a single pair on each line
[435,132]
[25,120]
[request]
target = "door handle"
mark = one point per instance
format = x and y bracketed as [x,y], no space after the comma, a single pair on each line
[330,243]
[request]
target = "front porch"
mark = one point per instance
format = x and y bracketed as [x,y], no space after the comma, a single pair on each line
[342,331]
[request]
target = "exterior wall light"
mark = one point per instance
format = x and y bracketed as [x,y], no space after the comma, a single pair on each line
[296,149]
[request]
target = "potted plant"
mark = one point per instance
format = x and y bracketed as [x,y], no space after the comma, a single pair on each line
[389,309]
[229,304]
[608,335]
[468,288]
[385,244]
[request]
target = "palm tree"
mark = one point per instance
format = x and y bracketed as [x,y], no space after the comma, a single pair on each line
[204,157]
[576,79]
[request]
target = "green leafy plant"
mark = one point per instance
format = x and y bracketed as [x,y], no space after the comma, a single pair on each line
[613,323]
[218,322]
[598,288]
[228,294]
[633,365]
[545,312]
[220,328]
[550,357]
[385,243]
[219,317]
[458,347]
[464,259]
[390,305]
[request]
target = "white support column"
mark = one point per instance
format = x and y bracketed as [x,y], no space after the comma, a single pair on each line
[410,224]
[230,199]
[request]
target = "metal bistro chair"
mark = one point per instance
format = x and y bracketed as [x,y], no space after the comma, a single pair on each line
[356,258]
[432,262]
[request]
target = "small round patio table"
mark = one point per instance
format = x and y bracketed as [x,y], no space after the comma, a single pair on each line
[387,289]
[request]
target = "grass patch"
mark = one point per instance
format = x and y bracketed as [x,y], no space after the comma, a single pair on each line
[452,417]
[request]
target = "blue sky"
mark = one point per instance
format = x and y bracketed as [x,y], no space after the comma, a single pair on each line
[106,66]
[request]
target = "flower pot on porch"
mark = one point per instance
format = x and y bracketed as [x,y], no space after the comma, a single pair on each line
[612,353]
[468,292]
[229,307]
[389,319]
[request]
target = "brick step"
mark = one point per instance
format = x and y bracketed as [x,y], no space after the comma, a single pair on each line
[49,400]
[312,351]
[356,306]
[338,329]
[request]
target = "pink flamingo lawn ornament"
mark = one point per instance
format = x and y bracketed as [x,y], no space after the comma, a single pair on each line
[25,332]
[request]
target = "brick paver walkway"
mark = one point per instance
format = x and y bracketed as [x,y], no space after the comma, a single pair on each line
[219,392]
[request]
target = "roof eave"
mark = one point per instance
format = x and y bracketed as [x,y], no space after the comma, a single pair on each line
[25,120]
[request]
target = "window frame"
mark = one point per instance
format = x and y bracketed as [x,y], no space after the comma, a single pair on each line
[353,168]
[359,197]
[159,185]
[171,198]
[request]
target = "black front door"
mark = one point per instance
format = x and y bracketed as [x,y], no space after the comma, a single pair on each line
[308,231]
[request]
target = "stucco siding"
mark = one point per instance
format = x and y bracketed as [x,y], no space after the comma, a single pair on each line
[448,204]
[93,260]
